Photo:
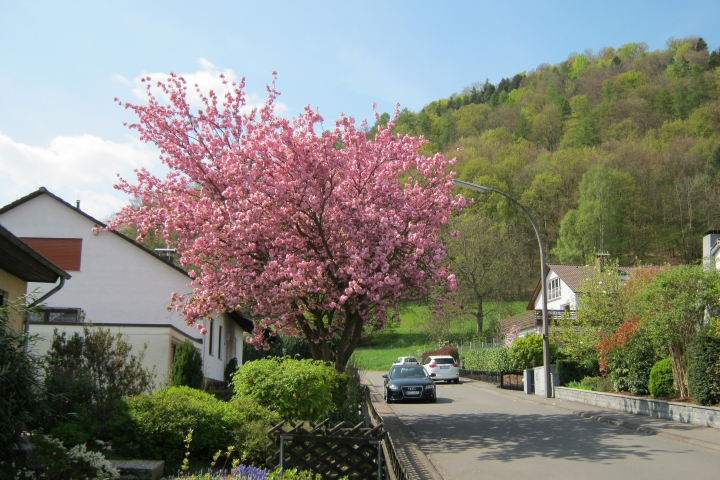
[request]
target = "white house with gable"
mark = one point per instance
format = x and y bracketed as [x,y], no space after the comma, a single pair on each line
[563,284]
[116,284]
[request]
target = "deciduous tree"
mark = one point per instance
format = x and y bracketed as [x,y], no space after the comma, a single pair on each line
[673,307]
[314,232]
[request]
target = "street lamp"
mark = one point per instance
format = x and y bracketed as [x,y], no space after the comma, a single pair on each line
[543,281]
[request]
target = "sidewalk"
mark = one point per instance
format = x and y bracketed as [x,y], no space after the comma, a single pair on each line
[704,437]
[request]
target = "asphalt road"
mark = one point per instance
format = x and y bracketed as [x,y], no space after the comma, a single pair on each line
[477,431]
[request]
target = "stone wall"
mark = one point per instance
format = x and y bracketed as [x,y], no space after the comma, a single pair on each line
[679,412]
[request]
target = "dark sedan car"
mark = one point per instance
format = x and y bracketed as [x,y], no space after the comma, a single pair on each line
[408,382]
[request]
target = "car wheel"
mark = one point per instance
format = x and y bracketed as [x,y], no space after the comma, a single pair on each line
[448,381]
[433,400]
[387,397]
[456,381]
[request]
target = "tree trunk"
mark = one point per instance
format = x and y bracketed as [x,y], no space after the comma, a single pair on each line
[678,356]
[480,318]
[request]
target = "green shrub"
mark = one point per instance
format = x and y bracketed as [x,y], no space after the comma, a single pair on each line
[21,397]
[70,434]
[296,389]
[704,369]
[592,367]
[630,365]
[578,385]
[661,382]
[599,384]
[88,374]
[187,366]
[161,420]
[528,348]
[50,460]
[488,359]
[250,436]
[574,370]
[569,371]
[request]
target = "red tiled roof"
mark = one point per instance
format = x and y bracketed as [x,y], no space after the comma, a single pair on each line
[522,321]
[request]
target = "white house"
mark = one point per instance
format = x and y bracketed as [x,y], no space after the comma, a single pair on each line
[711,249]
[116,284]
[563,282]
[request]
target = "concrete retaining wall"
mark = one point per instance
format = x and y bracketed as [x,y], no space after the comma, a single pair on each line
[680,412]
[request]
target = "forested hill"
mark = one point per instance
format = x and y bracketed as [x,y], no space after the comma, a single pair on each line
[614,151]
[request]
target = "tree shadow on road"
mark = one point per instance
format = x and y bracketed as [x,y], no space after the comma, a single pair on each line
[505,437]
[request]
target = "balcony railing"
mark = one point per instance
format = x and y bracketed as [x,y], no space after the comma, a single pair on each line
[554,316]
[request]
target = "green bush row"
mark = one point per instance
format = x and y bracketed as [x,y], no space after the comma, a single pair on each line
[525,352]
[488,359]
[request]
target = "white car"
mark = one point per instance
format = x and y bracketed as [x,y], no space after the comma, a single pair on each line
[444,367]
[406,361]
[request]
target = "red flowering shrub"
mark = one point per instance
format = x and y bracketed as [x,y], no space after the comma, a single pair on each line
[609,344]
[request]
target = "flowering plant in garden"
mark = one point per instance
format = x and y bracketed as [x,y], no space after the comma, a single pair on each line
[318,234]
[511,336]
[618,339]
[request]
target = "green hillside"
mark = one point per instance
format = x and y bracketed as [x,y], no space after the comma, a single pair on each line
[614,151]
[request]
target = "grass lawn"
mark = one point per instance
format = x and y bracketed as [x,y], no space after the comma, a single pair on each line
[378,351]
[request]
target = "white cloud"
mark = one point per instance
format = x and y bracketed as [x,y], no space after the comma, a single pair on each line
[81,168]
[207,78]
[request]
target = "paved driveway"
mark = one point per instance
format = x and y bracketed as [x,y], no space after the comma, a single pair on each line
[477,431]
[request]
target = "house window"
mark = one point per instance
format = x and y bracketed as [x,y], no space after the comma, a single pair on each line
[220,343]
[64,315]
[554,289]
[3,298]
[210,340]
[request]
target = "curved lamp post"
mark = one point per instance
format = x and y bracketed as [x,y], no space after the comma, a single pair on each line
[543,280]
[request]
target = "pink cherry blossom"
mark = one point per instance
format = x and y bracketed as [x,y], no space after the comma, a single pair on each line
[319,233]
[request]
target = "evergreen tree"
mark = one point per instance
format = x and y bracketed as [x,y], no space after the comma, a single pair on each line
[187,366]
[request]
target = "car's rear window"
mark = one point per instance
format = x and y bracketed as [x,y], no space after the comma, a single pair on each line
[410,359]
[445,361]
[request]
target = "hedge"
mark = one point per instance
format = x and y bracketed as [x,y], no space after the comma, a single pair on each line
[704,369]
[488,359]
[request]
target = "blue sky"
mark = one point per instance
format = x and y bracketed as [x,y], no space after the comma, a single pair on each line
[62,63]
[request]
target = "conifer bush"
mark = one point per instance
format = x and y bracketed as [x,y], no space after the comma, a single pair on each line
[704,369]
[187,366]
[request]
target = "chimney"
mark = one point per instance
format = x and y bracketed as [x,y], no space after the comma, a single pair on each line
[77,204]
[601,259]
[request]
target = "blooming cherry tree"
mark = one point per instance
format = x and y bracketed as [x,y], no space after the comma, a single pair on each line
[318,234]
